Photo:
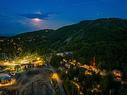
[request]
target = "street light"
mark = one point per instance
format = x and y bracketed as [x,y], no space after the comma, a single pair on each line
[55,76]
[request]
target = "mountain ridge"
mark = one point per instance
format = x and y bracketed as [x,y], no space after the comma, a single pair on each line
[103,38]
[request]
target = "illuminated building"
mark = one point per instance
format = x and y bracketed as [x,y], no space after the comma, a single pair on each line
[6,80]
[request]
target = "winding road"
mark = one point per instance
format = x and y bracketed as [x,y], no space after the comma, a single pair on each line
[37,81]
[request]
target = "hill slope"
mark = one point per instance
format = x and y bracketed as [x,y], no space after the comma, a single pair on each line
[103,38]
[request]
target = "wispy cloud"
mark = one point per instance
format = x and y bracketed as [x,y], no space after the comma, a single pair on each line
[39,15]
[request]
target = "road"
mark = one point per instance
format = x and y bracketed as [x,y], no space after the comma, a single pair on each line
[59,81]
[37,82]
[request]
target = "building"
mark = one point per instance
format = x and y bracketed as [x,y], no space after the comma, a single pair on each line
[3,56]
[6,80]
[64,53]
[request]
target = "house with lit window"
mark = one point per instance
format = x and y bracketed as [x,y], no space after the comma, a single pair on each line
[6,80]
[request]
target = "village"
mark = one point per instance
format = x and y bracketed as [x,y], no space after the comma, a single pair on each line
[9,69]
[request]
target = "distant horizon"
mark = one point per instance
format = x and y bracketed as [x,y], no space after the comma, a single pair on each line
[11,35]
[19,16]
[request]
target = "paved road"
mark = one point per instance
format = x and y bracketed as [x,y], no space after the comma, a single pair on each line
[59,81]
[37,82]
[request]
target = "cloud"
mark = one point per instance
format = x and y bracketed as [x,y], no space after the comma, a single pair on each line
[38,15]
[14,23]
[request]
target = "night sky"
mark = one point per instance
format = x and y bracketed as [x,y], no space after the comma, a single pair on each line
[17,16]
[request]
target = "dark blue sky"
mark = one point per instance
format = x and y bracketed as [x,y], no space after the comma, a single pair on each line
[17,16]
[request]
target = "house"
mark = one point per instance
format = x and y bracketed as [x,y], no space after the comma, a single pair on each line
[6,80]
[64,53]
[117,74]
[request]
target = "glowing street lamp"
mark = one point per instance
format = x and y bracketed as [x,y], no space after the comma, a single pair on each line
[55,76]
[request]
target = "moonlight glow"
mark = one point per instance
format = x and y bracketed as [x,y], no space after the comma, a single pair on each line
[36,20]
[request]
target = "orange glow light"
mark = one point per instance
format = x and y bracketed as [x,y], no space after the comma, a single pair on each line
[55,76]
